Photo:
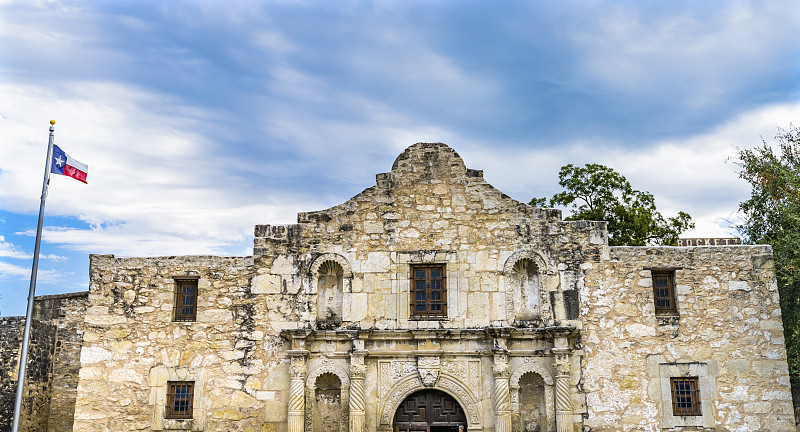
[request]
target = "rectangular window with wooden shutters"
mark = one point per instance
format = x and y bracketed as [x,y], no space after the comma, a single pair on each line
[664,292]
[185,308]
[428,291]
[180,400]
[685,396]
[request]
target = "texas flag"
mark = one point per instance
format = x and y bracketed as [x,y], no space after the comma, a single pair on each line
[65,165]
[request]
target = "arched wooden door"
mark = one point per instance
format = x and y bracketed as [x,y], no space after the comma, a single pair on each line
[430,411]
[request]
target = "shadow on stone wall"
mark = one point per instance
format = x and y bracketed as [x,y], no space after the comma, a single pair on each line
[51,379]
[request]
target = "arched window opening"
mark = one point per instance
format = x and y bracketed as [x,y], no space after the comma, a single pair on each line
[327,409]
[329,295]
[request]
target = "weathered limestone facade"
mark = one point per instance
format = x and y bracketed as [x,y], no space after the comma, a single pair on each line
[542,326]
[729,331]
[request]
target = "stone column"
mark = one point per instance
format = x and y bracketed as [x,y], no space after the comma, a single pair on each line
[502,395]
[297,387]
[515,414]
[297,402]
[357,397]
[564,414]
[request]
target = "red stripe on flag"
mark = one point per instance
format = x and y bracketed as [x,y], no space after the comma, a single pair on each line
[75,173]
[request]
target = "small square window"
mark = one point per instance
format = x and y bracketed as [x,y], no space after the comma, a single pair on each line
[685,396]
[185,308]
[664,292]
[428,291]
[180,398]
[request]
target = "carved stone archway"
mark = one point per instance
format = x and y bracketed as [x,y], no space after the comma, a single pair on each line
[532,255]
[311,380]
[446,383]
[533,366]
[530,366]
[429,410]
[544,273]
[346,283]
[338,259]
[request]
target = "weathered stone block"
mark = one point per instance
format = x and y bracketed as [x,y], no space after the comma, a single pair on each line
[266,284]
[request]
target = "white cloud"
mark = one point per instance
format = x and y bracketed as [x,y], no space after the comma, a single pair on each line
[707,51]
[154,184]
[695,174]
[9,250]
[10,271]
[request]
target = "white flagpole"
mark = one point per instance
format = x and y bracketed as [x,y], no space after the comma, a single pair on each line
[23,360]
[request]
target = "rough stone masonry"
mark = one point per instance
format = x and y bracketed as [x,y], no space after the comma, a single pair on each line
[431,301]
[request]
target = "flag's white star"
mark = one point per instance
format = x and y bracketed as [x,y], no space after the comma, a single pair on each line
[59,161]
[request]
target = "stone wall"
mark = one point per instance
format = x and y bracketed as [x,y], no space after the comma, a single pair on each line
[65,312]
[429,209]
[10,343]
[36,396]
[52,371]
[132,347]
[729,333]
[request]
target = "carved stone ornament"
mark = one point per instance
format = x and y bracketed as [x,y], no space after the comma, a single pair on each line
[561,366]
[500,367]
[298,367]
[428,368]
[357,366]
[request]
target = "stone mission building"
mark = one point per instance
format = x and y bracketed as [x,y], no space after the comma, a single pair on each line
[433,302]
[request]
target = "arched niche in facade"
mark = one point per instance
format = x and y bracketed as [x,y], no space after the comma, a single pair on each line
[532,398]
[326,404]
[327,390]
[532,413]
[330,283]
[330,276]
[524,273]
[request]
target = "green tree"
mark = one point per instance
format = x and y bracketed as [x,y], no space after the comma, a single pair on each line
[772,216]
[597,192]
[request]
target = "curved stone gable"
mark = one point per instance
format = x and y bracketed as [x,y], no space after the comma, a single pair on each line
[430,167]
[429,200]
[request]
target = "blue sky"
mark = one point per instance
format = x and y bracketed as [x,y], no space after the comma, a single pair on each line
[199,120]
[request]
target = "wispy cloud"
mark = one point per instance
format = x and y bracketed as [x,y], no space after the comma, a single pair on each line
[9,250]
[696,174]
[13,271]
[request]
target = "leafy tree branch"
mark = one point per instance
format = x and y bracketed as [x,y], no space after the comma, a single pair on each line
[597,192]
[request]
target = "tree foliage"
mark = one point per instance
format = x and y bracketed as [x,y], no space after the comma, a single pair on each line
[597,192]
[772,216]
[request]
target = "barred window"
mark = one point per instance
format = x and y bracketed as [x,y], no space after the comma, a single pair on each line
[180,398]
[185,308]
[664,292]
[428,291]
[685,396]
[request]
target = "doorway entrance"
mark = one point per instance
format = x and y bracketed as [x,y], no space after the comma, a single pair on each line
[430,411]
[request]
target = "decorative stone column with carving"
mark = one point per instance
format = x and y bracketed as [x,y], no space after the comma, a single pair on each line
[502,395]
[297,403]
[357,397]
[515,414]
[563,394]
